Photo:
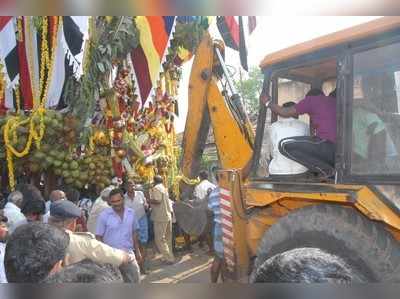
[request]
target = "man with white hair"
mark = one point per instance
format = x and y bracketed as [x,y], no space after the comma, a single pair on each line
[12,210]
[54,196]
[98,206]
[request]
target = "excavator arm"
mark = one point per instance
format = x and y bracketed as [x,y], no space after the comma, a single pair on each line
[207,105]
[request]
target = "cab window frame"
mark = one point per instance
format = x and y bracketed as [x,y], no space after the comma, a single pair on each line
[346,175]
[271,78]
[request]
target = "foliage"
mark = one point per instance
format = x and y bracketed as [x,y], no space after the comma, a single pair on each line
[110,43]
[250,89]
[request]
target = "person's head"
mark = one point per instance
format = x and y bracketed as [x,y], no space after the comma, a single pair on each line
[85,271]
[63,214]
[333,93]
[29,191]
[315,92]
[3,228]
[158,179]
[306,265]
[72,194]
[130,186]
[33,209]
[288,105]
[105,194]
[16,198]
[56,195]
[116,200]
[203,175]
[34,251]
[116,181]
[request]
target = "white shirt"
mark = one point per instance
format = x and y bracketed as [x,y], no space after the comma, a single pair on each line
[284,128]
[201,190]
[3,278]
[14,215]
[46,217]
[136,204]
[48,203]
[98,206]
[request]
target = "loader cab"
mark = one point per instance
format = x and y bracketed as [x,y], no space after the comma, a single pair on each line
[362,65]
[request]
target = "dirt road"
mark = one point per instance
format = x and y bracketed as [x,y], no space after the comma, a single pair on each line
[192,267]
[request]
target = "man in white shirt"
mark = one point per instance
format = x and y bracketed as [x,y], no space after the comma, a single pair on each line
[12,209]
[3,239]
[283,128]
[98,206]
[201,191]
[204,187]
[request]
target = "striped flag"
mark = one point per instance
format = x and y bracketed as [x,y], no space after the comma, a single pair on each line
[229,30]
[233,33]
[242,46]
[21,57]
[8,49]
[25,77]
[252,23]
[147,58]
[9,58]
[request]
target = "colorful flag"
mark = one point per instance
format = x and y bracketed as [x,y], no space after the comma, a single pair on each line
[252,23]
[229,30]
[25,83]
[147,58]
[242,45]
[8,50]
[233,35]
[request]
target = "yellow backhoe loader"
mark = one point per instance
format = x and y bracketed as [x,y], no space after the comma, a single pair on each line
[356,216]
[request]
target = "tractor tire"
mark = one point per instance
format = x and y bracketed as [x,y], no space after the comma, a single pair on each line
[365,245]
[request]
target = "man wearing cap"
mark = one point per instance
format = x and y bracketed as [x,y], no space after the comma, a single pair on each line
[63,214]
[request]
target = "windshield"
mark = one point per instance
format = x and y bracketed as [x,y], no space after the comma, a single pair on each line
[376,106]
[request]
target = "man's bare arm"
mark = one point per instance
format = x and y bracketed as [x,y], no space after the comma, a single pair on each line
[281,111]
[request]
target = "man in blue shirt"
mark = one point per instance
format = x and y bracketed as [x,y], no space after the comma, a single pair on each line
[118,227]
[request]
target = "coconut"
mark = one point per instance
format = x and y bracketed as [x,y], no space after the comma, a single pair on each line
[49,160]
[45,148]
[74,165]
[75,174]
[69,181]
[57,163]
[38,155]
[64,166]
[57,171]
[54,123]
[54,153]
[84,176]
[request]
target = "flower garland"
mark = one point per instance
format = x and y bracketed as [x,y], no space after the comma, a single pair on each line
[46,68]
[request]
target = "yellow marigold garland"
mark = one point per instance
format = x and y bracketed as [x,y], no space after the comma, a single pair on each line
[13,123]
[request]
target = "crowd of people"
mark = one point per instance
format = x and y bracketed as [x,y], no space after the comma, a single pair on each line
[72,238]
